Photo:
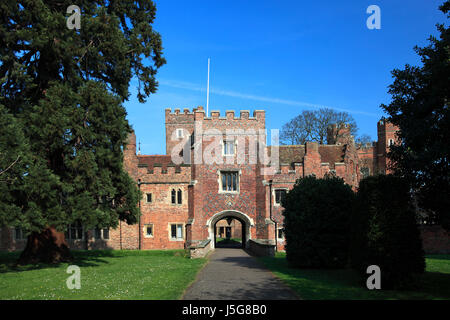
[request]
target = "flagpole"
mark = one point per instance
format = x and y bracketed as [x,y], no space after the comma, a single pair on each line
[207,93]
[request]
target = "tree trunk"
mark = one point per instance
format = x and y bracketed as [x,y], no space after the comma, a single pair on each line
[49,246]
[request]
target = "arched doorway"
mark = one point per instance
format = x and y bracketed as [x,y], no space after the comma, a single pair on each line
[244,219]
[229,232]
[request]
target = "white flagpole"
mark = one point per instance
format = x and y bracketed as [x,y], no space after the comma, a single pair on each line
[207,94]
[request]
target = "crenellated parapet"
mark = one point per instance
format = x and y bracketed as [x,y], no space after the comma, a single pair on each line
[164,174]
[230,120]
[180,126]
[258,115]
[200,114]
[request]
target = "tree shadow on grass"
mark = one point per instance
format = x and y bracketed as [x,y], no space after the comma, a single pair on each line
[436,284]
[331,284]
[438,256]
[82,258]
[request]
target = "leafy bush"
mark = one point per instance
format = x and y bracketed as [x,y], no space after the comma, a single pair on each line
[385,232]
[317,222]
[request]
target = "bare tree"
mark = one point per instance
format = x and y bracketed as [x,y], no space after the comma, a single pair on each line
[323,119]
[314,126]
[363,139]
[299,129]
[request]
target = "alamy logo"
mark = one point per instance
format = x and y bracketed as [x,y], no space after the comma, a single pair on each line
[374,21]
[238,146]
[74,20]
[74,281]
[374,281]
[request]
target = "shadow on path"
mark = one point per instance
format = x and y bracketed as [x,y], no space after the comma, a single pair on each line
[232,274]
[228,243]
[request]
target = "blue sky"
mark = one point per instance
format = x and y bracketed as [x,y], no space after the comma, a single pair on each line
[280,56]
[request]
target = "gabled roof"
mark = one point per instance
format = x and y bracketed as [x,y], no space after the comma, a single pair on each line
[152,160]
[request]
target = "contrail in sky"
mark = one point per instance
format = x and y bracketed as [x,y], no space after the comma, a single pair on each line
[195,87]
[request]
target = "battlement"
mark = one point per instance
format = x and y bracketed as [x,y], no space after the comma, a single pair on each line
[177,116]
[367,145]
[230,115]
[384,124]
[200,114]
[159,172]
[177,111]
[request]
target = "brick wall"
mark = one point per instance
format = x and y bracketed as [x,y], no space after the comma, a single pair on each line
[199,183]
[208,199]
[435,239]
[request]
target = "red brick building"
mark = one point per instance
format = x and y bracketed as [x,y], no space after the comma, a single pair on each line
[218,167]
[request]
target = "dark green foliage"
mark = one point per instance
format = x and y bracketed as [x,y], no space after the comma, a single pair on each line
[61,95]
[420,108]
[14,156]
[385,232]
[316,222]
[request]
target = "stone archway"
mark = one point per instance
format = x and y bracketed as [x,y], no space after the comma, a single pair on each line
[233,228]
[244,219]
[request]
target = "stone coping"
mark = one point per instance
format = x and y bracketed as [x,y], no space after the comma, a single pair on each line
[263,242]
[201,244]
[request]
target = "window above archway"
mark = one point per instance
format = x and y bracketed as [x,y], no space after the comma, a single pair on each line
[229,181]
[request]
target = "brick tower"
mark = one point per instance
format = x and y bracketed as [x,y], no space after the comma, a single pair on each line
[386,137]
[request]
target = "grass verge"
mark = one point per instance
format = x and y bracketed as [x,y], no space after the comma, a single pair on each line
[105,274]
[345,284]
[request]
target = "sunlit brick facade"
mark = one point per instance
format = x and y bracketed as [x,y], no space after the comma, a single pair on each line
[209,173]
[255,200]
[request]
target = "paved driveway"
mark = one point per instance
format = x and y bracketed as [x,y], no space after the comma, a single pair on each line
[233,274]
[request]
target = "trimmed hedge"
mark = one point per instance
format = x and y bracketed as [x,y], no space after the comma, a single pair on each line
[385,232]
[317,222]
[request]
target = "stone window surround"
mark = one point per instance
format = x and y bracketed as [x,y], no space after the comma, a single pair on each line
[146,197]
[144,230]
[278,238]
[391,142]
[21,238]
[275,204]
[83,231]
[235,143]
[178,130]
[176,196]
[102,236]
[169,229]
[219,181]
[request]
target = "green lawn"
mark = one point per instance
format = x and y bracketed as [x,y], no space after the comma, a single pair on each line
[346,285]
[229,240]
[104,275]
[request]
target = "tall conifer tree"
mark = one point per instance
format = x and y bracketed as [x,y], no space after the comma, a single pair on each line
[61,94]
[420,108]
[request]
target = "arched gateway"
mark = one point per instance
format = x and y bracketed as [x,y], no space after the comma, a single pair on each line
[244,219]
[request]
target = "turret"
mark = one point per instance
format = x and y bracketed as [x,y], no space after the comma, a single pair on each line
[386,137]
